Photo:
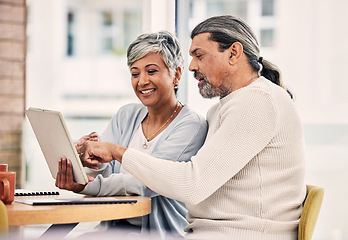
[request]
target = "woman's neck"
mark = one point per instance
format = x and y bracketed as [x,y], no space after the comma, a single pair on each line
[157,121]
[161,114]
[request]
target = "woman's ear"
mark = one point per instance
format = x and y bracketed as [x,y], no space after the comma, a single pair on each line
[177,76]
[235,50]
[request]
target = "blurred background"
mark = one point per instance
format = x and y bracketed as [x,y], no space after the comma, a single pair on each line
[76,63]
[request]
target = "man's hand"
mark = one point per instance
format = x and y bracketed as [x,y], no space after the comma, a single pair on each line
[94,153]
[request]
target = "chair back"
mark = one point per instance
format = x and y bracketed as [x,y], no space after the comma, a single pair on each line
[310,212]
[3,219]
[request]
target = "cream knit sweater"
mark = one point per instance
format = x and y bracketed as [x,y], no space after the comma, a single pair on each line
[247,181]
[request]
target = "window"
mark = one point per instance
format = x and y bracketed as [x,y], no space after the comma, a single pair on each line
[107,18]
[267,7]
[267,37]
[234,7]
[70,34]
[107,33]
[77,65]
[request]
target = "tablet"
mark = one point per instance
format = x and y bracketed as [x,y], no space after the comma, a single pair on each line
[67,201]
[55,141]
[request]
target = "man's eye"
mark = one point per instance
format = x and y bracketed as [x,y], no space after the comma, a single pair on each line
[198,56]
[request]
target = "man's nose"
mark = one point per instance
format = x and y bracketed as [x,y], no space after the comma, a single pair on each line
[193,66]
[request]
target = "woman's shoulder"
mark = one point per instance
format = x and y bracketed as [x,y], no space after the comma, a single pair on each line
[191,116]
[131,107]
[130,112]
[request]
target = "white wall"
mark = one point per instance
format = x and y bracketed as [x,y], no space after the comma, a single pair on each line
[312,54]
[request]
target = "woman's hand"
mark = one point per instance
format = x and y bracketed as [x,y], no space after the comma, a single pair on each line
[94,153]
[65,179]
[93,136]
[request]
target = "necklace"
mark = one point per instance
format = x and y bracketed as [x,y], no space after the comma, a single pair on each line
[145,146]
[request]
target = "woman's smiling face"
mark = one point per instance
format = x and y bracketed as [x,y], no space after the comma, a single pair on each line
[151,80]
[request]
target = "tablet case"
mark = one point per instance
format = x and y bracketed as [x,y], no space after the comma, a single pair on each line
[55,141]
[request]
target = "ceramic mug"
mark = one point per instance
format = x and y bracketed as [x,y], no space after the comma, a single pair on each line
[7,184]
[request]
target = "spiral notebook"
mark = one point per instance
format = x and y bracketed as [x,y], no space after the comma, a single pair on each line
[24,192]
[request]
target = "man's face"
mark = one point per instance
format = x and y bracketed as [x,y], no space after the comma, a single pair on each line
[209,66]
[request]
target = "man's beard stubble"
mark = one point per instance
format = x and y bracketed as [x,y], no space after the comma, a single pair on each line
[207,90]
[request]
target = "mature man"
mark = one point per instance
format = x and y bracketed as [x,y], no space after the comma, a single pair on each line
[247,181]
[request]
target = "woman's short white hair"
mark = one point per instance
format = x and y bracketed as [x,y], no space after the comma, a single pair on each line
[161,42]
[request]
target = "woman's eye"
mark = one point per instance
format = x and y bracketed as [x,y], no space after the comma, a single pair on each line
[135,74]
[152,71]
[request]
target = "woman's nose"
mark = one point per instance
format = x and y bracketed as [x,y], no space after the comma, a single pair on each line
[143,80]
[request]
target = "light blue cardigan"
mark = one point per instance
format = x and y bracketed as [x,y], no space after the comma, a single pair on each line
[179,142]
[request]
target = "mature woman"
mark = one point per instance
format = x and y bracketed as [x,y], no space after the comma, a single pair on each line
[161,127]
[247,180]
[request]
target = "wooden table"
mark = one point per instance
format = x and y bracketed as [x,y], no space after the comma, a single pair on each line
[65,217]
[22,214]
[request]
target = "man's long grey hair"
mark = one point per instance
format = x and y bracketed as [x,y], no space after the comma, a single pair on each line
[228,29]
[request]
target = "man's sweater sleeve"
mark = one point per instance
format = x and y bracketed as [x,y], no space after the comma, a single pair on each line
[247,124]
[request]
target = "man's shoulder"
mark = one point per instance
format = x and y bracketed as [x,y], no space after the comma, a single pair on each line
[267,87]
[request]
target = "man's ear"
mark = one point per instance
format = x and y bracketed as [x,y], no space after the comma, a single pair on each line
[235,50]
